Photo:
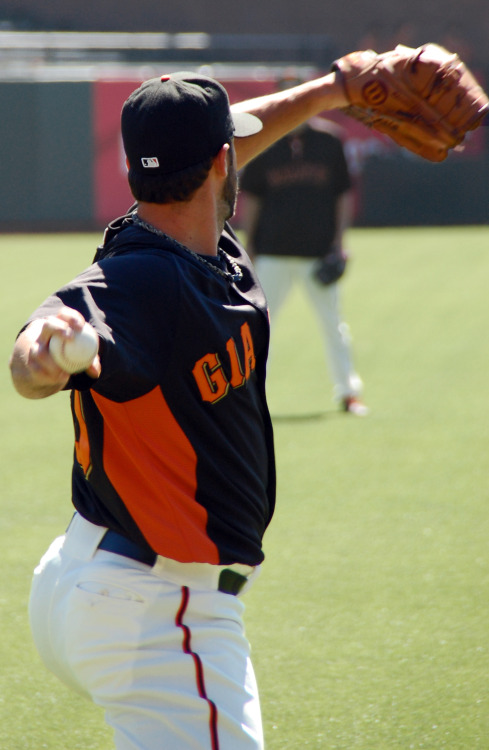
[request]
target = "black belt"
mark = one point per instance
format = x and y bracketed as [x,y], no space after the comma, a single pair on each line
[121,545]
[230,582]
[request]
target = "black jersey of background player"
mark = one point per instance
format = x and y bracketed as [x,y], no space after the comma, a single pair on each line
[300,176]
[173,443]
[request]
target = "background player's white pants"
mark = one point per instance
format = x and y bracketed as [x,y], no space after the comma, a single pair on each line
[169,662]
[277,274]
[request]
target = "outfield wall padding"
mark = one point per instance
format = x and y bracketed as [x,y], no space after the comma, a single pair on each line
[63,165]
[46,154]
[401,190]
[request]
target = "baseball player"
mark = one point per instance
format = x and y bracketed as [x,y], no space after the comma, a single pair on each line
[137,605]
[296,204]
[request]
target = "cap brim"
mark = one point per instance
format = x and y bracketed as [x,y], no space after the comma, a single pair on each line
[245,124]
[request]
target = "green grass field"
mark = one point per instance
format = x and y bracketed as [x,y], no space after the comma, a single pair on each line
[369,621]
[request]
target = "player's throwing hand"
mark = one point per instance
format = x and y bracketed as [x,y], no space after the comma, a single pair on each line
[35,372]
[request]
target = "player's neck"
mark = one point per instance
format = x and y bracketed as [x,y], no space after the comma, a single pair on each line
[192,223]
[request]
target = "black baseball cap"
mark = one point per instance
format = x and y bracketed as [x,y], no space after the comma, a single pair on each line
[178,121]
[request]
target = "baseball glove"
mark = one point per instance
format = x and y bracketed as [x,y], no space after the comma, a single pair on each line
[425,99]
[330,268]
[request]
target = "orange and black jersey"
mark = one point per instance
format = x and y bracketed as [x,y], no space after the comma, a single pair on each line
[173,443]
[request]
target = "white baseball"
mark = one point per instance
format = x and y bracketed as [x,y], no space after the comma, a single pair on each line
[76,354]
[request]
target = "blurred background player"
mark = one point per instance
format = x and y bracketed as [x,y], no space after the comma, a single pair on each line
[296,203]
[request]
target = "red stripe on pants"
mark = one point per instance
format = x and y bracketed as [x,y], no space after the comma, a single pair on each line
[199,670]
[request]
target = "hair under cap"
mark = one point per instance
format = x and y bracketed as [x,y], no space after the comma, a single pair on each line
[178,121]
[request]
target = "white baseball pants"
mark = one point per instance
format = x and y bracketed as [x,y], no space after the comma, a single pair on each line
[163,652]
[277,275]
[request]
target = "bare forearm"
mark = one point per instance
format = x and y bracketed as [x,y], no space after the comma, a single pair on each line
[285,110]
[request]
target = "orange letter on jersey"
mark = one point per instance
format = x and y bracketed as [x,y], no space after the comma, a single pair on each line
[249,351]
[237,376]
[210,378]
[82,445]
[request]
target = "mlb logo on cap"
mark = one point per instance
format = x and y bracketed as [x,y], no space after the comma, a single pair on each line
[150,162]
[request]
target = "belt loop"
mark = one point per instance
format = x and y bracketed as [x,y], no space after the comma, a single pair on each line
[231,582]
[82,538]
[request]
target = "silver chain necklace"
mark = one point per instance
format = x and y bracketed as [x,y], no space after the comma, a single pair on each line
[234,276]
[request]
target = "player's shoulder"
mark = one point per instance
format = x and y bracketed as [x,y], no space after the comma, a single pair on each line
[133,271]
[137,249]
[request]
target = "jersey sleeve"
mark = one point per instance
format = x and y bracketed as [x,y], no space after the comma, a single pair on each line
[133,338]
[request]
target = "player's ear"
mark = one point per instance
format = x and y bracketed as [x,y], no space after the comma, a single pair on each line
[221,160]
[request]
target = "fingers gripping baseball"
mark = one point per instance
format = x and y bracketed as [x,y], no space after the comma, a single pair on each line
[71,343]
[425,99]
[35,372]
[74,350]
